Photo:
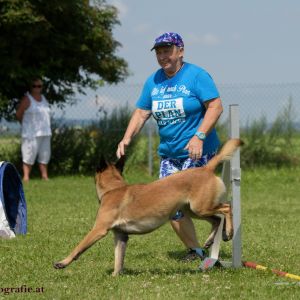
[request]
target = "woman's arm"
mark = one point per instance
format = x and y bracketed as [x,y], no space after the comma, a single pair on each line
[24,104]
[136,123]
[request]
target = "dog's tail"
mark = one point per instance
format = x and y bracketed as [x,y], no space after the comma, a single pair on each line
[225,154]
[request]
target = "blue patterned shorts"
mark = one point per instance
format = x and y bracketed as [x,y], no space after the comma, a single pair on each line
[169,166]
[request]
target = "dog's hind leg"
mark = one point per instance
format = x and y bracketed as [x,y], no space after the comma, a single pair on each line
[121,239]
[93,236]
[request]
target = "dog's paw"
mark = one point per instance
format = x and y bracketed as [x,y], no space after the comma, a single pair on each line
[208,243]
[115,274]
[227,236]
[59,265]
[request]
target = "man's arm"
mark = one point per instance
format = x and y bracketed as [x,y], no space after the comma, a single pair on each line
[214,109]
[136,123]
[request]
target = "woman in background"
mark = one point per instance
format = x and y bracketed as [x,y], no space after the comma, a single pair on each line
[33,113]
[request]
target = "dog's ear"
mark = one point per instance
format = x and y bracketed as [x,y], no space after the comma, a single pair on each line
[102,164]
[120,164]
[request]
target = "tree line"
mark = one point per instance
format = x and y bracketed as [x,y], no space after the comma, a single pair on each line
[69,44]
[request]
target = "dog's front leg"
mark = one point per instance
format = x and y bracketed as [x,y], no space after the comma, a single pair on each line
[121,239]
[93,236]
[225,209]
[215,222]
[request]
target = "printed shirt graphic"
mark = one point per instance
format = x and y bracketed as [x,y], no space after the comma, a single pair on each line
[177,104]
[168,111]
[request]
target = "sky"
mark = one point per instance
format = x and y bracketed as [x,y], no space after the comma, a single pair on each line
[250,48]
[242,44]
[255,41]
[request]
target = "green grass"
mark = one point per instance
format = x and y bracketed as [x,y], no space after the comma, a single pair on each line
[61,212]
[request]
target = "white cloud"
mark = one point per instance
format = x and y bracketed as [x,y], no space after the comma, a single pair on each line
[121,7]
[142,28]
[211,40]
[207,39]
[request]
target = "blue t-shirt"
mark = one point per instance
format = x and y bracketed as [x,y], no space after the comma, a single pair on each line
[177,104]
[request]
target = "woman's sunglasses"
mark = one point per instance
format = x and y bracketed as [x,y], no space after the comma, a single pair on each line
[37,86]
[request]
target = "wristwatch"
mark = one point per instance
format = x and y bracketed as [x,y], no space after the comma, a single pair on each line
[200,135]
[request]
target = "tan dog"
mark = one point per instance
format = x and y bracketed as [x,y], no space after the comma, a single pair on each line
[142,208]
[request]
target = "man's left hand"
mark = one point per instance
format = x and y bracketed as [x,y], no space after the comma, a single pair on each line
[195,148]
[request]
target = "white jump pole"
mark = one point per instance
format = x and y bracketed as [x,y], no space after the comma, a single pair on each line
[234,132]
[231,175]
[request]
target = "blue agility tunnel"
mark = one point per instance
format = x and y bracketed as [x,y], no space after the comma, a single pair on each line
[13,212]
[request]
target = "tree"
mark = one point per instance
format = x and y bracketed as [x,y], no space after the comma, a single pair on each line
[68,43]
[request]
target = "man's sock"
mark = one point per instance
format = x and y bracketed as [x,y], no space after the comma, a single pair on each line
[201,252]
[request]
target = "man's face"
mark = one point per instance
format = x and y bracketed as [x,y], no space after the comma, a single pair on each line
[169,58]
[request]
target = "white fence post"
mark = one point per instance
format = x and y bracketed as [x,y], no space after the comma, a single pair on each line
[235,176]
[231,175]
[150,147]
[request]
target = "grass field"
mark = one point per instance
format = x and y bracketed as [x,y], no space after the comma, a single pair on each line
[61,211]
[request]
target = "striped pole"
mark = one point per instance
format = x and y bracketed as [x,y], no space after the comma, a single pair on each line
[256,266]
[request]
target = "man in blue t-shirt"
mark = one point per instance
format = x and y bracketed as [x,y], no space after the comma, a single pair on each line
[185,103]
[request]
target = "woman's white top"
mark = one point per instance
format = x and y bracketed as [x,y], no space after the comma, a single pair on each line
[36,118]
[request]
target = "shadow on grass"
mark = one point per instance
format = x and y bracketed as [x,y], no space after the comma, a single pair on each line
[179,255]
[188,269]
[157,271]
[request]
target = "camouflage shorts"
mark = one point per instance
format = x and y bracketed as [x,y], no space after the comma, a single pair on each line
[169,166]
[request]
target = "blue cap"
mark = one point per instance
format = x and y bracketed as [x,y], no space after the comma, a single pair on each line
[168,39]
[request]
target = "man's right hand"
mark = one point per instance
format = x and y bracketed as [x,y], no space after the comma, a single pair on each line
[122,147]
[136,123]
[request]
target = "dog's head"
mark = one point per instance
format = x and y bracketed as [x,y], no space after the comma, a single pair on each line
[109,175]
[104,164]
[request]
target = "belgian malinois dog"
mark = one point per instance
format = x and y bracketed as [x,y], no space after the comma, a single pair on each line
[141,208]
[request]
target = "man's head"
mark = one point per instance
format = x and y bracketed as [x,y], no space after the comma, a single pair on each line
[169,50]
[168,39]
